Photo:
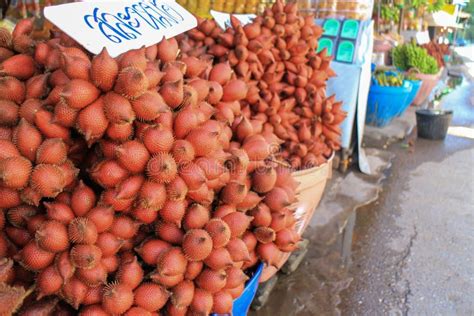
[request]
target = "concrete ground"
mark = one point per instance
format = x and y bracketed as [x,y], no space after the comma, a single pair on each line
[414,247]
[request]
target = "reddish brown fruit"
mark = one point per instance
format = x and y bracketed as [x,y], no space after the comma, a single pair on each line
[82,199]
[20,66]
[44,121]
[166,280]
[76,67]
[193,269]
[130,272]
[36,87]
[223,303]
[151,297]
[85,256]
[8,149]
[108,173]
[182,294]
[262,215]
[234,193]
[48,282]
[117,298]
[265,234]
[277,199]
[237,291]
[94,295]
[52,236]
[124,227]
[152,195]
[81,230]
[92,122]
[235,277]
[48,180]
[108,243]
[158,139]
[172,262]
[250,240]
[133,58]
[162,168]
[173,211]
[203,141]
[235,90]
[102,217]
[74,291]
[194,66]
[65,115]
[133,156]
[20,216]
[111,264]
[196,217]
[183,152]
[104,71]
[8,113]
[120,132]
[169,232]
[167,50]
[219,259]
[93,277]
[269,253]
[130,187]
[137,311]
[79,93]
[27,139]
[60,212]
[238,223]
[264,179]
[172,93]
[149,106]
[197,244]
[52,151]
[131,83]
[238,250]
[93,310]
[202,302]
[34,258]
[151,250]
[185,121]
[15,172]
[12,89]
[219,231]
[176,190]
[193,175]
[118,109]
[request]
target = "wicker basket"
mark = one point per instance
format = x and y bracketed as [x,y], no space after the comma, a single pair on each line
[312,183]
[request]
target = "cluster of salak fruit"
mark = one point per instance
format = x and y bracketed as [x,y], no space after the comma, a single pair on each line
[276,57]
[134,185]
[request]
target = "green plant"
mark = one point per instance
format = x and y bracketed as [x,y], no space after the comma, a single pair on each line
[389,13]
[409,55]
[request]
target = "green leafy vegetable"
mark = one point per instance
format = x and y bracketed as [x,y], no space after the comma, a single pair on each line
[409,55]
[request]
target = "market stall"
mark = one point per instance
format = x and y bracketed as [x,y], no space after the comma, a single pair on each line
[149,160]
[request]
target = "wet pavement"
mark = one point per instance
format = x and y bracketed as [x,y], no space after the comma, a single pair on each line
[413,248]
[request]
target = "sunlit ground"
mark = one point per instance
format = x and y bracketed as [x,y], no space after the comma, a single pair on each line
[461,131]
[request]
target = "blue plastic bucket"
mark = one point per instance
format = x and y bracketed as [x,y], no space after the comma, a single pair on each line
[385,103]
[414,91]
[242,304]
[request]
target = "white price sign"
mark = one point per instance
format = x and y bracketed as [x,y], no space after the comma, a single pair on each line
[223,19]
[120,25]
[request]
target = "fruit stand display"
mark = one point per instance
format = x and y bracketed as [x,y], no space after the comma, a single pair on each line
[286,101]
[156,180]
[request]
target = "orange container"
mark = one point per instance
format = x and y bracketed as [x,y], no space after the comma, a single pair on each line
[312,183]
[428,83]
